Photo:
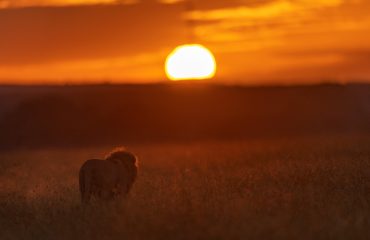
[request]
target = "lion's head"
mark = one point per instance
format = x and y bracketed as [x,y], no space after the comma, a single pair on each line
[122,156]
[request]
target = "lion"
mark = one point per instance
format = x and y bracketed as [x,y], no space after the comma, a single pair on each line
[110,178]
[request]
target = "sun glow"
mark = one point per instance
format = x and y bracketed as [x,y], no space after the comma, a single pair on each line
[190,62]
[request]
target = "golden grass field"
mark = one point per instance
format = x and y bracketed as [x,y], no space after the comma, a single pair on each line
[313,188]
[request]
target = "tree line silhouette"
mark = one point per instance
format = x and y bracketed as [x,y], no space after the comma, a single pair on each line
[72,116]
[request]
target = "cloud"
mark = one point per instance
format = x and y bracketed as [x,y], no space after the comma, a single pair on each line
[242,12]
[48,34]
[56,3]
[141,67]
[273,18]
[203,4]
[340,66]
[171,1]
[269,10]
[38,3]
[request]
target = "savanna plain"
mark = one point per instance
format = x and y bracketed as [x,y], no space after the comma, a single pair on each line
[290,188]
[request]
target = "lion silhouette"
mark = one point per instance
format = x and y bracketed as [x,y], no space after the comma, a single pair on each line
[110,178]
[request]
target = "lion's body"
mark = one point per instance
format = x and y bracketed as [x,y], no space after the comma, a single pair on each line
[107,179]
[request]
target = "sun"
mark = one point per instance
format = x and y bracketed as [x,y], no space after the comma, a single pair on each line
[190,62]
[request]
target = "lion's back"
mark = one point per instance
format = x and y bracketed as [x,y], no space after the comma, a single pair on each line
[98,172]
[93,176]
[91,166]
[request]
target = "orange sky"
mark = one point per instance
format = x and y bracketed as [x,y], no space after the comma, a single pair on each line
[254,41]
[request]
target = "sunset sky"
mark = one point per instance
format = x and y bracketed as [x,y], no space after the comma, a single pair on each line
[254,41]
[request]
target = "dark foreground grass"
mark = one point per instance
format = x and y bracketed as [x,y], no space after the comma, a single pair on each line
[316,188]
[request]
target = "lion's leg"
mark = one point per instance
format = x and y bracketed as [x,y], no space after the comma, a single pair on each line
[85,197]
[106,195]
[128,187]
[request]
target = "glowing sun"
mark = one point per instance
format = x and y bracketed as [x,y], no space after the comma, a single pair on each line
[190,62]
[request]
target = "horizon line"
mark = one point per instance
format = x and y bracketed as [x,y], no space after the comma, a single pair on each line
[185,82]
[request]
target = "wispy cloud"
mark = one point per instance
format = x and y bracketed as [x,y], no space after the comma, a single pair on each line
[275,4]
[140,67]
[273,18]
[268,10]
[38,3]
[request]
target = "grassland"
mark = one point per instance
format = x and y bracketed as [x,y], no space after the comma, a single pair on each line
[316,188]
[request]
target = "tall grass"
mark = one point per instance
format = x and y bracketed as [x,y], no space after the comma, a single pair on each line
[316,188]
